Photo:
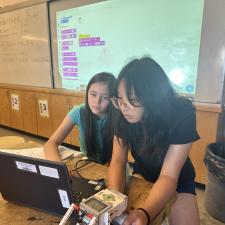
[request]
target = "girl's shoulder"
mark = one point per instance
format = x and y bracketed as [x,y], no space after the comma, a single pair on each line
[76,110]
[75,114]
[183,124]
[184,106]
[183,110]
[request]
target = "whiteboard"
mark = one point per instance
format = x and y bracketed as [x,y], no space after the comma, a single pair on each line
[104,36]
[24,47]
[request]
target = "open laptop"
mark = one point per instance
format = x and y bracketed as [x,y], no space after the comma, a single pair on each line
[42,184]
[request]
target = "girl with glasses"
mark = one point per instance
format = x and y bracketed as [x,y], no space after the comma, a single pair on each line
[158,126]
[94,122]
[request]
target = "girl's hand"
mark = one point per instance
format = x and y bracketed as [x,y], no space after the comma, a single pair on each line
[136,217]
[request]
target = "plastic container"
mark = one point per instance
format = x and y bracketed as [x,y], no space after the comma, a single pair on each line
[215,188]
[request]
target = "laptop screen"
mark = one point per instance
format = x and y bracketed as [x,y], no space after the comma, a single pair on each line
[37,183]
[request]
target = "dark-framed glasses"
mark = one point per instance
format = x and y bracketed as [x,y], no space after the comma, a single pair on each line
[118,103]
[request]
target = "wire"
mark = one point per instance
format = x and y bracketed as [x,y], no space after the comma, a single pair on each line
[88,161]
[82,160]
[77,168]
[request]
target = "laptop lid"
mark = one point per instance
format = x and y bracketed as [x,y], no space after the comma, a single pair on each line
[37,183]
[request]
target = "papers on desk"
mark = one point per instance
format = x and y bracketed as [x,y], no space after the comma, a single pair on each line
[65,153]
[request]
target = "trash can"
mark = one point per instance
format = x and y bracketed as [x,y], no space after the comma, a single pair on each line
[215,188]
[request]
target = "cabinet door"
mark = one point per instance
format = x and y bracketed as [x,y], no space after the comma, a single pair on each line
[60,108]
[74,137]
[207,123]
[16,109]
[28,105]
[5,107]
[44,114]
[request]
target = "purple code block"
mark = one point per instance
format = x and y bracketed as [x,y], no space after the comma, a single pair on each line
[70,74]
[74,74]
[70,63]
[68,36]
[87,43]
[63,36]
[70,69]
[69,53]
[70,78]
[67,43]
[67,31]
[65,47]
[91,42]
[69,58]
[89,39]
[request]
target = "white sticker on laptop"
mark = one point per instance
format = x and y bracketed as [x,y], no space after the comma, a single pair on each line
[64,198]
[92,182]
[26,167]
[49,171]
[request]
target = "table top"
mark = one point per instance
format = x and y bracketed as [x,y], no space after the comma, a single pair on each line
[15,214]
[138,189]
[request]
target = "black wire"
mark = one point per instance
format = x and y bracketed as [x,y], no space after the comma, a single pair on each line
[77,168]
[85,160]
[85,164]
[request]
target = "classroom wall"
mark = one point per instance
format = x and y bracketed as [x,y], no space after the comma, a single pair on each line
[210,80]
[4,3]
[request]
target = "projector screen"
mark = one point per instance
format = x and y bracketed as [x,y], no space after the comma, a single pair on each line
[106,35]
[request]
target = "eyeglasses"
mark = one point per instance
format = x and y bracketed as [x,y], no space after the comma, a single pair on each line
[118,103]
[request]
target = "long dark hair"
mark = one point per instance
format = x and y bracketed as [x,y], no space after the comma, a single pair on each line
[89,120]
[146,79]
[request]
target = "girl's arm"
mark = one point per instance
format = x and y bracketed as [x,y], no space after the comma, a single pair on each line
[51,146]
[165,186]
[117,168]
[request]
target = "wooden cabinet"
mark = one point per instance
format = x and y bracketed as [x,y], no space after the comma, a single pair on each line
[207,124]
[74,137]
[44,114]
[37,110]
[5,107]
[29,115]
[11,109]
[60,107]
[16,109]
